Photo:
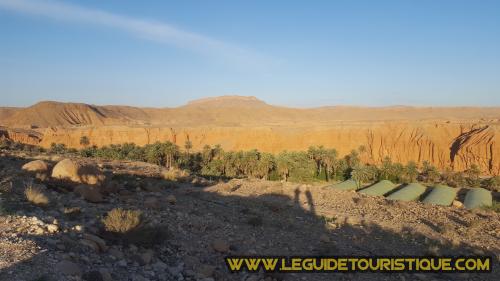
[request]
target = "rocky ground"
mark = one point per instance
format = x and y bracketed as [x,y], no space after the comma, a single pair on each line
[194,224]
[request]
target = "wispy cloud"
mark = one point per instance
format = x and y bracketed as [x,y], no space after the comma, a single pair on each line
[156,31]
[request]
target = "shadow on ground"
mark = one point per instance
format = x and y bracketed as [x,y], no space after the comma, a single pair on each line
[271,224]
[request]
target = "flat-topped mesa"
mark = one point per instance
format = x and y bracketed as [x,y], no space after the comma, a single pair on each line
[227,101]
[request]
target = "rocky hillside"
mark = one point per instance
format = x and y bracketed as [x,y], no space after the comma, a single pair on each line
[188,226]
[447,137]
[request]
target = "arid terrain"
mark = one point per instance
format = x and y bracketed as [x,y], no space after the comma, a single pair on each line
[190,224]
[68,215]
[447,137]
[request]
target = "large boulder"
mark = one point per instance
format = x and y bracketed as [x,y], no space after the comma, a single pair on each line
[71,170]
[37,166]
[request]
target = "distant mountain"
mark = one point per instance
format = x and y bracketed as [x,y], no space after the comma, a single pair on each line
[227,101]
[225,111]
[49,113]
[7,112]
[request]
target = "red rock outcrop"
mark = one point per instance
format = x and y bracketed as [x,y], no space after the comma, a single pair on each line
[21,135]
[453,145]
[447,137]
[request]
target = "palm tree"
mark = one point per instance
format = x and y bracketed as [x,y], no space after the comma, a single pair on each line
[473,174]
[188,145]
[317,154]
[328,160]
[265,165]
[218,152]
[386,169]
[206,154]
[283,163]
[430,173]
[361,174]
[84,140]
[493,183]
[250,160]
[154,153]
[411,171]
[170,151]
[352,159]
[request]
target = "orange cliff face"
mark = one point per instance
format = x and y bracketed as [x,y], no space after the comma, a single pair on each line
[448,138]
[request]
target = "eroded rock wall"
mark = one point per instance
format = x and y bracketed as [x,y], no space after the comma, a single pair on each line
[20,135]
[444,144]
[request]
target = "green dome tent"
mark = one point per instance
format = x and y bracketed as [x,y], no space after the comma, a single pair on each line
[478,197]
[379,189]
[346,185]
[441,195]
[410,192]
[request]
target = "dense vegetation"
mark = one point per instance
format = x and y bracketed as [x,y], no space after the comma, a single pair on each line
[315,164]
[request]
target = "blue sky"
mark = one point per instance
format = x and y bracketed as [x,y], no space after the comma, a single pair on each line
[293,53]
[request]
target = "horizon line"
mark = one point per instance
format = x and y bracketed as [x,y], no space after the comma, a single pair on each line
[190,103]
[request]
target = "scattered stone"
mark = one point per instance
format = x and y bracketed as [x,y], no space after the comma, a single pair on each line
[92,276]
[97,240]
[253,277]
[105,275]
[152,203]
[152,187]
[220,246]
[175,270]
[144,258]
[116,253]
[159,266]
[89,193]
[52,228]
[78,228]
[457,204]
[111,187]
[90,244]
[350,220]
[68,268]
[72,212]
[205,271]
[133,248]
[38,230]
[324,238]
[171,199]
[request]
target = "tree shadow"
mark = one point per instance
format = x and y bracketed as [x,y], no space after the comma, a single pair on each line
[266,224]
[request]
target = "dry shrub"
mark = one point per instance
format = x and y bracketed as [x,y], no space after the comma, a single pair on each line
[174,174]
[72,212]
[35,195]
[122,221]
